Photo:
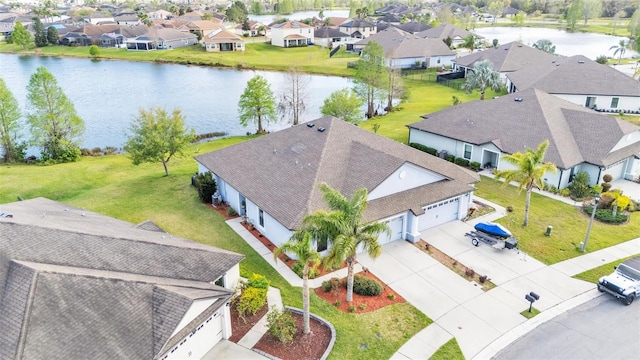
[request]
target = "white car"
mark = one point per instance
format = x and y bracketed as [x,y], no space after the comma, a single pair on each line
[489,19]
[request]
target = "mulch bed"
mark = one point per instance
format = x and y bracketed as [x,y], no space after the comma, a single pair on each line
[310,346]
[240,327]
[222,210]
[371,303]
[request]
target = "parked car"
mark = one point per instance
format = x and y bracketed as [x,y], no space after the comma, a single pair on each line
[624,282]
[489,19]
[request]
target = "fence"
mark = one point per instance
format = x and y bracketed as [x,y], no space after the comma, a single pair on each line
[452,80]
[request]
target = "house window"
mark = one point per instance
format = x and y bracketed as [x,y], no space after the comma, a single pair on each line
[321,245]
[467,151]
[220,281]
[614,102]
[591,102]
[438,60]
[261,217]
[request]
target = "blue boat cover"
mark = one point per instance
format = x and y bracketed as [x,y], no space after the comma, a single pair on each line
[493,229]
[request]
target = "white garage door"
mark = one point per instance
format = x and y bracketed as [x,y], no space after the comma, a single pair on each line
[396,226]
[439,213]
[615,170]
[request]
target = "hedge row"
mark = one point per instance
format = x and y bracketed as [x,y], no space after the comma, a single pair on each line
[451,158]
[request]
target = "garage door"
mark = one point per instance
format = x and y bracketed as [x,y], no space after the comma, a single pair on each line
[439,213]
[396,226]
[616,170]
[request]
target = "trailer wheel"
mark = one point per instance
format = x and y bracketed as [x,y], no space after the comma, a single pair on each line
[474,242]
[600,288]
[629,299]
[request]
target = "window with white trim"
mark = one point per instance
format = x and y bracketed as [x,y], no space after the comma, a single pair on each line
[467,151]
[261,217]
[614,102]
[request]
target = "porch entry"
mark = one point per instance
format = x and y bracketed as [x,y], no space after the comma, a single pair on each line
[490,159]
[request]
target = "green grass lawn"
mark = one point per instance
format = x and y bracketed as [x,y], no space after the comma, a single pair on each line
[569,224]
[111,185]
[449,351]
[595,274]
[311,59]
[531,314]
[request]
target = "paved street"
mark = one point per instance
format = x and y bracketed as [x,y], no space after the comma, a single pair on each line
[602,328]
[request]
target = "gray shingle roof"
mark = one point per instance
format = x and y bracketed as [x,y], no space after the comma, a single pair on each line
[327,32]
[509,57]
[280,172]
[77,284]
[575,75]
[575,134]
[444,31]
[397,43]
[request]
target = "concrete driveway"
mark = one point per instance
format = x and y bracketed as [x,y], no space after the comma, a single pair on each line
[460,308]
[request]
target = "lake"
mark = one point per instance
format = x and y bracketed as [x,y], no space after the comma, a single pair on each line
[300,15]
[567,43]
[108,94]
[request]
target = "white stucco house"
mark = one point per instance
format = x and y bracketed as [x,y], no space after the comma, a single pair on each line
[77,284]
[274,180]
[330,37]
[404,50]
[581,81]
[291,34]
[579,139]
[444,31]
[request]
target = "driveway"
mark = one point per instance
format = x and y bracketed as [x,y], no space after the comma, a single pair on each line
[459,307]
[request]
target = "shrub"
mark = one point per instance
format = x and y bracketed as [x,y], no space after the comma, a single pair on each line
[326,286]
[206,186]
[553,189]
[231,211]
[509,208]
[251,300]
[258,281]
[391,296]
[482,279]
[451,158]
[602,59]
[469,272]
[579,187]
[352,308]
[366,286]
[607,178]
[281,325]
[337,303]
[362,306]
[297,268]
[474,165]
[461,162]
[596,189]
[564,192]
[428,150]
[606,186]
[606,215]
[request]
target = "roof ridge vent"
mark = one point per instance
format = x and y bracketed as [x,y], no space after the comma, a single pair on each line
[580,61]
[321,129]
[310,125]
[518,99]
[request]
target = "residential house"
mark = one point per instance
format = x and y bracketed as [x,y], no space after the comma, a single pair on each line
[201,28]
[509,12]
[404,50]
[255,28]
[413,27]
[127,18]
[98,18]
[506,58]
[579,139]
[358,29]
[330,37]
[291,34]
[274,179]
[223,40]
[444,31]
[335,21]
[88,35]
[162,39]
[77,284]
[160,15]
[7,24]
[190,16]
[581,81]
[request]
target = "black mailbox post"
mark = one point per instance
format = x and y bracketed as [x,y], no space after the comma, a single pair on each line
[531,298]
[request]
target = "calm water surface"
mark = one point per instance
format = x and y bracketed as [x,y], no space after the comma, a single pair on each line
[567,44]
[301,15]
[108,94]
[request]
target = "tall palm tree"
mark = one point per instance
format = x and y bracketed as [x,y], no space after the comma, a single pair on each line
[481,77]
[621,48]
[342,227]
[301,245]
[529,172]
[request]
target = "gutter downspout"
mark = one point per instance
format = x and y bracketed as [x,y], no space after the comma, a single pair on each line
[560,178]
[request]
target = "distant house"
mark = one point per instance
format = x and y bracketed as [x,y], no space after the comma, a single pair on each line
[99,19]
[291,34]
[126,19]
[404,50]
[579,139]
[581,81]
[255,29]
[162,39]
[444,31]
[358,29]
[160,15]
[330,38]
[223,40]
[69,277]
[509,12]
[506,58]
[413,27]
[274,180]
[201,28]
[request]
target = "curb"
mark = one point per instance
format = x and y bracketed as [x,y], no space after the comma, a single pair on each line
[521,330]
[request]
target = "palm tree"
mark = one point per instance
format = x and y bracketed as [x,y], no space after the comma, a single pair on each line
[301,245]
[481,77]
[621,48]
[529,172]
[469,43]
[342,227]
[545,45]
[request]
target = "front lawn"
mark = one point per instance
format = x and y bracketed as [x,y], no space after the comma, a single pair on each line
[111,185]
[595,274]
[569,224]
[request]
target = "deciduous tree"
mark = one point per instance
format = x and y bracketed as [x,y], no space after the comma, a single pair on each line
[344,104]
[9,124]
[52,35]
[40,37]
[157,136]
[294,95]
[257,103]
[371,76]
[55,125]
[591,9]
[20,36]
